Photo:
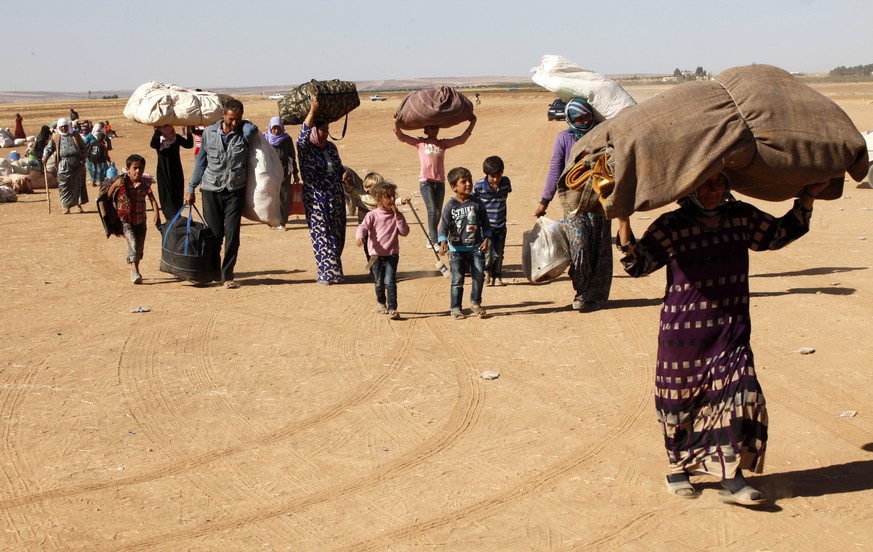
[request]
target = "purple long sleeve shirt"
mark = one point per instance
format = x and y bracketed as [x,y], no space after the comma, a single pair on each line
[560,155]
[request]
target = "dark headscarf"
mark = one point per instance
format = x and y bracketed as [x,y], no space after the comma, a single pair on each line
[42,139]
[693,206]
[576,107]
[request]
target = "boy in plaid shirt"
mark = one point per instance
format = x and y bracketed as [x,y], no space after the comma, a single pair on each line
[129,192]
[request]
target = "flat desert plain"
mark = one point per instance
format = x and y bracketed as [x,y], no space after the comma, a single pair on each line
[289,416]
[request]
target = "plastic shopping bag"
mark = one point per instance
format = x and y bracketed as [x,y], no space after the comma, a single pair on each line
[545,251]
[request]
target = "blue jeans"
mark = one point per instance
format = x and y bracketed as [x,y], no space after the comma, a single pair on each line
[433,194]
[385,274]
[494,256]
[97,172]
[461,262]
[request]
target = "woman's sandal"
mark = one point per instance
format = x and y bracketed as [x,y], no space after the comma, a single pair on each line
[747,496]
[681,489]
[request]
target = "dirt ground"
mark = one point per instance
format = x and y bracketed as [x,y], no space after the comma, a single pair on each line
[288,416]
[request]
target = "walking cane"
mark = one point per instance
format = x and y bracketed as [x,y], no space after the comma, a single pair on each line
[440,265]
[48,192]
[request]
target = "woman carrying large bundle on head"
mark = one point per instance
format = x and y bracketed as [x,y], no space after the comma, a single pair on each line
[323,196]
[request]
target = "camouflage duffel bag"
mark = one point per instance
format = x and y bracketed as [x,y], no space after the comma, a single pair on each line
[336,99]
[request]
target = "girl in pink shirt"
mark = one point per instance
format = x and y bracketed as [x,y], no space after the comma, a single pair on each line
[382,228]
[432,178]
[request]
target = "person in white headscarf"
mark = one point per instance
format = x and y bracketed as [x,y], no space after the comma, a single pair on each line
[68,150]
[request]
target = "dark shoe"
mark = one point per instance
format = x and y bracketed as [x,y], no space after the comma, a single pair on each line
[680,486]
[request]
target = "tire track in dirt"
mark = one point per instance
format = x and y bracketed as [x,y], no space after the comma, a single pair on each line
[573,460]
[187,464]
[149,395]
[461,419]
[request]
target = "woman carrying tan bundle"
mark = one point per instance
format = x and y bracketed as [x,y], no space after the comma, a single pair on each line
[707,394]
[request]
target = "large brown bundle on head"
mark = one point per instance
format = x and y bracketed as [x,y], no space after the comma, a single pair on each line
[771,134]
[441,106]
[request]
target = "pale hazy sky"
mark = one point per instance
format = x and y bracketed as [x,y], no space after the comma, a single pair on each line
[94,46]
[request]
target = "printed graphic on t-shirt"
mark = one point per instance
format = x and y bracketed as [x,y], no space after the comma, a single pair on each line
[466,224]
[433,149]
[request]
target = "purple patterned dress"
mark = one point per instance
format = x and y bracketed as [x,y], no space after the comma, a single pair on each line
[325,202]
[707,395]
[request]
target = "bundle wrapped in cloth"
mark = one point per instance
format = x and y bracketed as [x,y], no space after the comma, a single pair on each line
[441,106]
[567,80]
[771,134]
[155,104]
[336,99]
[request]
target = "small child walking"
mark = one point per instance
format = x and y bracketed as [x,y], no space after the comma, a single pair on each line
[382,228]
[366,202]
[493,191]
[129,192]
[465,233]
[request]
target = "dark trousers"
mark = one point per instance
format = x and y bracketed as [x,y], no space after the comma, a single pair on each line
[223,213]
[385,274]
[433,194]
[285,200]
[494,256]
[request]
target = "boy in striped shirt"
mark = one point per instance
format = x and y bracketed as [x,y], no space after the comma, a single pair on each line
[492,191]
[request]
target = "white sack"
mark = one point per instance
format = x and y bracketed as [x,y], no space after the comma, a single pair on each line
[545,251]
[264,181]
[22,166]
[155,104]
[567,80]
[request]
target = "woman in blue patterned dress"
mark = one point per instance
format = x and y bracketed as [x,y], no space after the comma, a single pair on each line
[707,395]
[323,196]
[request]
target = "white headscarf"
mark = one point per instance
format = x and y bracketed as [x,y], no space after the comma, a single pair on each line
[66,123]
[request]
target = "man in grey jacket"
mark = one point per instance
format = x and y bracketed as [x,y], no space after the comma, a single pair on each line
[220,169]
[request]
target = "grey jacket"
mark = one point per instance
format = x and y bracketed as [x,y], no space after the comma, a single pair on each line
[223,158]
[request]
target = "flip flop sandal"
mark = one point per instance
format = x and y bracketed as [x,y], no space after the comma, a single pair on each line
[747,496]
[681,489]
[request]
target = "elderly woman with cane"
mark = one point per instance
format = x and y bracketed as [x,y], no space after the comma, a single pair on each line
[69,153]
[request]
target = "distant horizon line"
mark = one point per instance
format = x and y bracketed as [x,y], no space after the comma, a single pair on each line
[365,85]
